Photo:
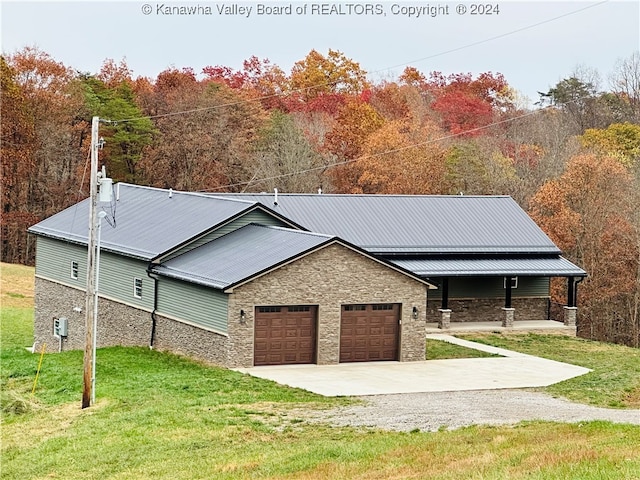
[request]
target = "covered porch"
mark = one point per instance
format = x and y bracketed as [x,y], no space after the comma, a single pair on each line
[484,292]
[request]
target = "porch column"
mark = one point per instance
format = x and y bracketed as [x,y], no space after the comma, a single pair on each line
[445,319]
[445,293]
[507,292]
[570,314]
[509,316]
[571,292]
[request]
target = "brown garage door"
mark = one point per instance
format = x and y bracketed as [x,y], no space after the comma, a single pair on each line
[369,332]
[285,335]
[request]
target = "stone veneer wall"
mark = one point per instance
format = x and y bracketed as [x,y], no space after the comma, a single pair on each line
[329,278]
[490,309]
[192,341]
[118,324]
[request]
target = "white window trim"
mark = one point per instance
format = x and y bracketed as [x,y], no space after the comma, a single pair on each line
[75,268]
[514,282]
[137,280]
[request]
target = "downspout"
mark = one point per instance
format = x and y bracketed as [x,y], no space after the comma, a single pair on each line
[154,318]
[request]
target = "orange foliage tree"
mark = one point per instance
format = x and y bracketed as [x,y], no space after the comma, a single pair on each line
[589,213]
[402,158]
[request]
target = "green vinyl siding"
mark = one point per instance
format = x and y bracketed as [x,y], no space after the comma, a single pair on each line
[117,273]
[117,280]
[53,261]
[255,216]
[493,287]
[193,303]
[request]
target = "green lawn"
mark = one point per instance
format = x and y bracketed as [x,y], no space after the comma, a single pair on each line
[614,381]
[161,416]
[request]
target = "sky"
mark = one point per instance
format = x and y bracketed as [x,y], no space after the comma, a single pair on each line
[534,44]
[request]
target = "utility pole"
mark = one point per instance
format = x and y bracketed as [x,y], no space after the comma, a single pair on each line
[90,302]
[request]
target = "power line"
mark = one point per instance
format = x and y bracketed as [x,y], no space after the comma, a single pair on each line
[380,154]
[445,52]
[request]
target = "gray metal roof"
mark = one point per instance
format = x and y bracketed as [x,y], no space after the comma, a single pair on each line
[531,266]
[240,254]
[401,224]
[148,221]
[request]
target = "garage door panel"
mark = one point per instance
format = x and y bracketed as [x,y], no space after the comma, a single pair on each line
[369,332]
[285,335]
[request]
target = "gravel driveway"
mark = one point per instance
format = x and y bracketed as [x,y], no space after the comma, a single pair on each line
[432,411]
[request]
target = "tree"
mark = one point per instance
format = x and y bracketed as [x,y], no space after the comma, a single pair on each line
[618,140]
[284,159]
[206,134]
[589,213]
[625,83]
[465,104]
[44,113]
[317,74]
[126,130]
[402,158]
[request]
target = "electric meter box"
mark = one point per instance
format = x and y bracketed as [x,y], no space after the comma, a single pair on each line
[60,326]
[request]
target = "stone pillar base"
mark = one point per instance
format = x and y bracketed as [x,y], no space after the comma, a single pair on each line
[509,316]
[570,314]
[445,318]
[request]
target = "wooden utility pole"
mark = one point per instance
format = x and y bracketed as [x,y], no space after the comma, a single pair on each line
[91,269]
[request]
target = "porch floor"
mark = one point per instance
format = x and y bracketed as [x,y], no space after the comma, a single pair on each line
[520,326]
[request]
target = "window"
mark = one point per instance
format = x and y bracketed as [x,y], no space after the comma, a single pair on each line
[383,306]
[74,270]
[268,309]
[299,308]
[355,308]
[514,282]
[137,287]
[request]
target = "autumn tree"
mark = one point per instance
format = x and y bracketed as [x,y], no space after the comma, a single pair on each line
[402,158]
[206,133]
[618,140]
[466,104]
[259,79]
[18,166]
[44,113]
[589,213]
[285,159]
[477,166]
[318,75]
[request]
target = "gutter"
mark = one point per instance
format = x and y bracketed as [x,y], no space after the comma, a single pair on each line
[154,318]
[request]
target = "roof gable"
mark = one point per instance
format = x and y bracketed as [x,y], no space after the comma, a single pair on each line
[249,252]
[416,224]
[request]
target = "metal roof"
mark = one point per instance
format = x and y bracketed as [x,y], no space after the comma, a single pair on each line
[148,221]
[523,266]
[250,251]
[402,224]
[240,254]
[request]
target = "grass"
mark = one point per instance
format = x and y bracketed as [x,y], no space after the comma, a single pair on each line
[166,417]
[614,381]
[440,350]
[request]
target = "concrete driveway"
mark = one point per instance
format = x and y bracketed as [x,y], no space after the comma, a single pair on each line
[512,370]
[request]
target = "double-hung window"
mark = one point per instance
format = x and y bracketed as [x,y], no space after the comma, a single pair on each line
[137,287]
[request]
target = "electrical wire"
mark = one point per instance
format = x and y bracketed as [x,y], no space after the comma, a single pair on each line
[386,152]
[445,52]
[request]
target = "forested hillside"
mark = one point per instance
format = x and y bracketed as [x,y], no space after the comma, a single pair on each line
[573,161]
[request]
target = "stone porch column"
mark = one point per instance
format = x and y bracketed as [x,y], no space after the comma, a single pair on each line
[445,318]
[570,314]
[509,316]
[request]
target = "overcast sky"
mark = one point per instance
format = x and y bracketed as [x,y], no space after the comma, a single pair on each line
[533,44]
